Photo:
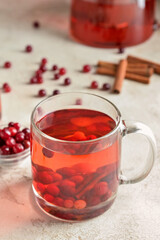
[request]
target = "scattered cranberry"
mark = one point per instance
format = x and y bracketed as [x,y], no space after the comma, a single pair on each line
[17,148]
[94,85]
[26,144]
[38,73]
[121,50]
[56,92]
[86,68]
[43,68]
[6,88]
[42,93]
[67,81]
[40,80]
[7,65]
[56,76]
[36,24]
[62,71]
[28,48]
[33,80]
[20,136]
[4,150]
[55,67]
[106,86]
[44,61]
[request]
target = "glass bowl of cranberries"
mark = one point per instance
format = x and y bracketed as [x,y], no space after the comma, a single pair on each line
[14,143]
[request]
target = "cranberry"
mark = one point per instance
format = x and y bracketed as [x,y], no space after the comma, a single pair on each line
[44,61]
[67,81]
[55,67]
[17,126]
[26,144]
[36,24]
[10,142]
[42,93]
[6,87]
[33,80]
[58,201]
[94,85]
[62,71]
[66,171]
[10,124]
[68,203]
[7,65]
[13,131]
[5,133]
[56,177]
[86,68]
[41,187]
[47,153]
[52,189]
[121,50]
[38,73]
[26,130]
[49,198]
[40,80]
[101,188]
[79,204]
[4,150]
[43,68]
[27,136]
[78,101]
[17,148]
[20,136]
[45,178]
[28,48]
[77,179]
[56,92]
[56,76]
[106,86]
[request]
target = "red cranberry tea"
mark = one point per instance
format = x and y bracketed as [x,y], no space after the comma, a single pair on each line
[116,23]
[79,180]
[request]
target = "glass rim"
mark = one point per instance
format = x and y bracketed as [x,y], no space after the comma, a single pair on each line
[75,142]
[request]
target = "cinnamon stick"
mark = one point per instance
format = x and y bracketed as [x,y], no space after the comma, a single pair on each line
[119,76]
[155,66]
[130,76]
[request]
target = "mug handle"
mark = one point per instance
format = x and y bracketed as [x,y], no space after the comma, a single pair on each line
[129,127]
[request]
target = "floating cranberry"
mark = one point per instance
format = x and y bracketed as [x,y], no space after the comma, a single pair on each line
[91,137]
[56,92]
[58,201]
[17,148]
[5,133]
[28,48]
[26,144]
[7,65]
[67,81]
[10,142]
[79,204]
[5,150]
[49,198]
[6,88]
[16,125]
[56,76]
[94,85]
[86,68]
[56,177]
[20,136]
[66,172]
[26,130]
[101,188]
[52,189]
[44,61]
[77,179]
[106,86]
[41,187]
[42,93]
[47,153]
[62,71]
[36,24]
[55,67]
[68,203]
[67,187]
[33,80]
[45,178]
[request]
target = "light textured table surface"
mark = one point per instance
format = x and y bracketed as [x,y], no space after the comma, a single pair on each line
[135,214]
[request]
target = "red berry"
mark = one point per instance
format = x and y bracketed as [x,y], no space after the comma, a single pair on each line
[67,187]
[66,171]
[17,148]
[39,80]
[45,178]
[56,76]
[28,48]
[27,136]
[56,177]
[7,65]
[106,86]
[33,80]
[47,153]
[56,92]
[5,133]
[10,124]
[86,68]
[77,179]
[49,198]
[55,67]
[62,71]
[6,87]
[42,93]
[41,187]
[68,203]
[67,81]
[13,131]
[79,204]
[26,130]
[43,68]
[17,126]
[94,85]
[10,142]
[58,201]
[26,144]
[52,189]
[20,136]
[44,61]
[5,150]
[38,73]
[91,137]
[36,24]
[101,188]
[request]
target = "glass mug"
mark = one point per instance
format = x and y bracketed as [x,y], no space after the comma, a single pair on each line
[112,23]
[77,177]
